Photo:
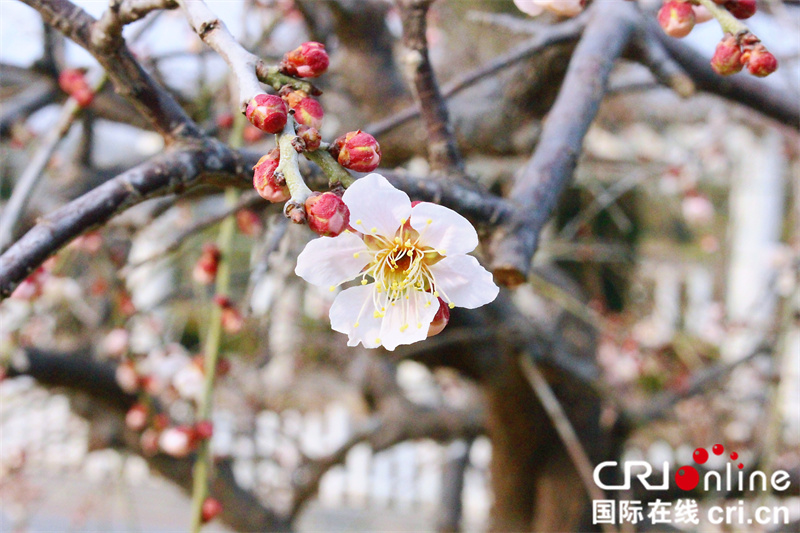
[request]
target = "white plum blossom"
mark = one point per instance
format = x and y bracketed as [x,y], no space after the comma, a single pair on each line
[407,258]
[564,8]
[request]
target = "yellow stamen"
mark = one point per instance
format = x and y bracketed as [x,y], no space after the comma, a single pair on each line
[356,255]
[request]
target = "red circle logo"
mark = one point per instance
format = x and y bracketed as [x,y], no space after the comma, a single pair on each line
[687,478]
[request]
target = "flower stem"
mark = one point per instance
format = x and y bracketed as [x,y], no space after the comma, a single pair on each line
[289,166]
[336,173]
[212,346]
[728,22]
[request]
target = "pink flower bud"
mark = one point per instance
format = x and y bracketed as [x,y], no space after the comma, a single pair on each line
[176,441]
[149,442]
[136,417]
[252,135]
[232,321]
[440,319]
[127,377]
[115,344]
[267,112]
[327,214]
[248,222]
[205,270]
[311,137]
[210,509]
[760,62]
[359,151]
[309,60]
[73,82]
[727,57]
[308,112]
[264,180]
[741,9]
[676,18]
[203,430]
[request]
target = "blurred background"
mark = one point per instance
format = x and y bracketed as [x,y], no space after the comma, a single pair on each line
[663,309]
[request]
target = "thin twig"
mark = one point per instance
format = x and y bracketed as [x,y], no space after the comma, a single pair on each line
[443,150]
[565,430]
[566,31]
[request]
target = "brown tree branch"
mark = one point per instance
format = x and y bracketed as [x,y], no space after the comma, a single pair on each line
[129,78]
[538,187]
[443,152]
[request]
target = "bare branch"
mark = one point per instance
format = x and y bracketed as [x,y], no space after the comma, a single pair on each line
[129,78]
[33,172]
[539,186]
[564,32]
[107,31]
[652,54]
[442,148]
[172,171]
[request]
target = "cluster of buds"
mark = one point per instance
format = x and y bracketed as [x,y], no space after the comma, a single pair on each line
[734,53]
[73,82]
[737,49]
[325,213]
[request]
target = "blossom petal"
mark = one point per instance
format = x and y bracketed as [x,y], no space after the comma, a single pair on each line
[376,205]
[443,229]
[407,321]
[461,280]
[531,7]
[329,261]
[355,306]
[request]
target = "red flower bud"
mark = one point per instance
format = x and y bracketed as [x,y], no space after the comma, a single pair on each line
[136,417]
[311,137]
[309,60]
[252,135]
[676,18]
[73,82]
[760,62]
[327,214]
[225,121]
[359,151]
[308,112]
[440,319]
[741,9]
[727,57]
[203,430]
[210,509]
[205,270]
[267,112]
[264,180]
